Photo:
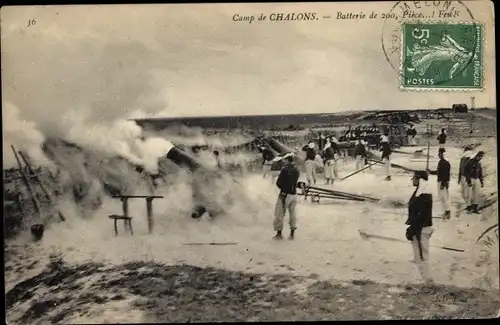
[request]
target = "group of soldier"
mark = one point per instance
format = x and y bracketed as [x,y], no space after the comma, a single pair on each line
[326,154]
[470,179]
[284,168]
[420,207]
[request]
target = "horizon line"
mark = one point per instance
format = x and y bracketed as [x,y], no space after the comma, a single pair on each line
[299,114]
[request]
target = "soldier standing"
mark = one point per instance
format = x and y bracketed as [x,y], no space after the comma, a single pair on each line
[310,163]
[287,198]
[443,178]
[386,155]
[474,177]
[462,181]
[360,154]
[328,158]
[336,156]
[419,221]
[411,133]
[442,138]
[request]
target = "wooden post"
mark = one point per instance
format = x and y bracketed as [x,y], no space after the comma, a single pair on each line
[147,178]
[27,182]
[125,206]
[428,155]
[149,210]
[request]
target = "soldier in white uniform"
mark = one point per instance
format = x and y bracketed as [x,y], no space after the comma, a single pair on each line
[474,177]
[310,163]
[386,155]
[462,181]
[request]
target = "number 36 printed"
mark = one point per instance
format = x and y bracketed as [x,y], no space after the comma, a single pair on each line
[421,34]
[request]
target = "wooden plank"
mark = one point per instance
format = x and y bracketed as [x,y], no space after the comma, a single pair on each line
[210,244]
[352,174]
[339,193]
[365,235]
[393,165]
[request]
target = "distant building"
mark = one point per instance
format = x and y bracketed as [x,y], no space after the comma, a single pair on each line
[459,108]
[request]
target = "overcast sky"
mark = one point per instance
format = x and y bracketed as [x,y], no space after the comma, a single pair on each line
[192,60]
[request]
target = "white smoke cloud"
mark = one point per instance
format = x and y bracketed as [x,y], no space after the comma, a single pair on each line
[114,138]
[152,149]
[192,136]
[23,135]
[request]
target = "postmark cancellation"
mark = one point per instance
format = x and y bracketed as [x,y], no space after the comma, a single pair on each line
[442,56]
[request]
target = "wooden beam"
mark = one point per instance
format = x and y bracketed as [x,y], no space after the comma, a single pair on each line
[428,155]
[34,175]
[358,171]
[212,244]
[27,183]
[365,235]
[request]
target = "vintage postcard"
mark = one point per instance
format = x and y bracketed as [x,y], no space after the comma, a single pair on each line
[250,162]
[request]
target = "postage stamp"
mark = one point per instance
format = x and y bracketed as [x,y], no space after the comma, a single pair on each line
[442,56]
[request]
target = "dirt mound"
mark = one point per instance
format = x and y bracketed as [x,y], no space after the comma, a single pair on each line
[186,293]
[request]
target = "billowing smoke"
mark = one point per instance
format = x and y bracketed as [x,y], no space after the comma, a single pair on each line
[23,135]
[228,161]
[122,138]
[152,149]
[196,136]
[85,95]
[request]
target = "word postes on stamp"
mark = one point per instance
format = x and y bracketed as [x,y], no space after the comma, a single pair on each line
[442,56]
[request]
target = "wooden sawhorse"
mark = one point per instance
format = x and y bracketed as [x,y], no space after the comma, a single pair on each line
[127,223]
[127,219]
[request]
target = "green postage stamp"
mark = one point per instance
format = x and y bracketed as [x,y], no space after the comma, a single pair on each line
[442,56]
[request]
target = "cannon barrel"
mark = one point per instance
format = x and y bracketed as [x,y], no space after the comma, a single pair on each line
[183,159]
[282,149]
[346,144]
[278,146]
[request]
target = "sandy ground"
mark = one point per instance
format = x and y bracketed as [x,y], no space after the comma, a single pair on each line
[327,244]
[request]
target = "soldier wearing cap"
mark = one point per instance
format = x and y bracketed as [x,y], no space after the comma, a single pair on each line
[328,161]
[287,199]
[277,165]
[411,133]
[310,162]
[267,158]
[473,172]
[385,147]
[419,221]
[442,138]
[462,181]
[336,156]
[443,180]
[360,153]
